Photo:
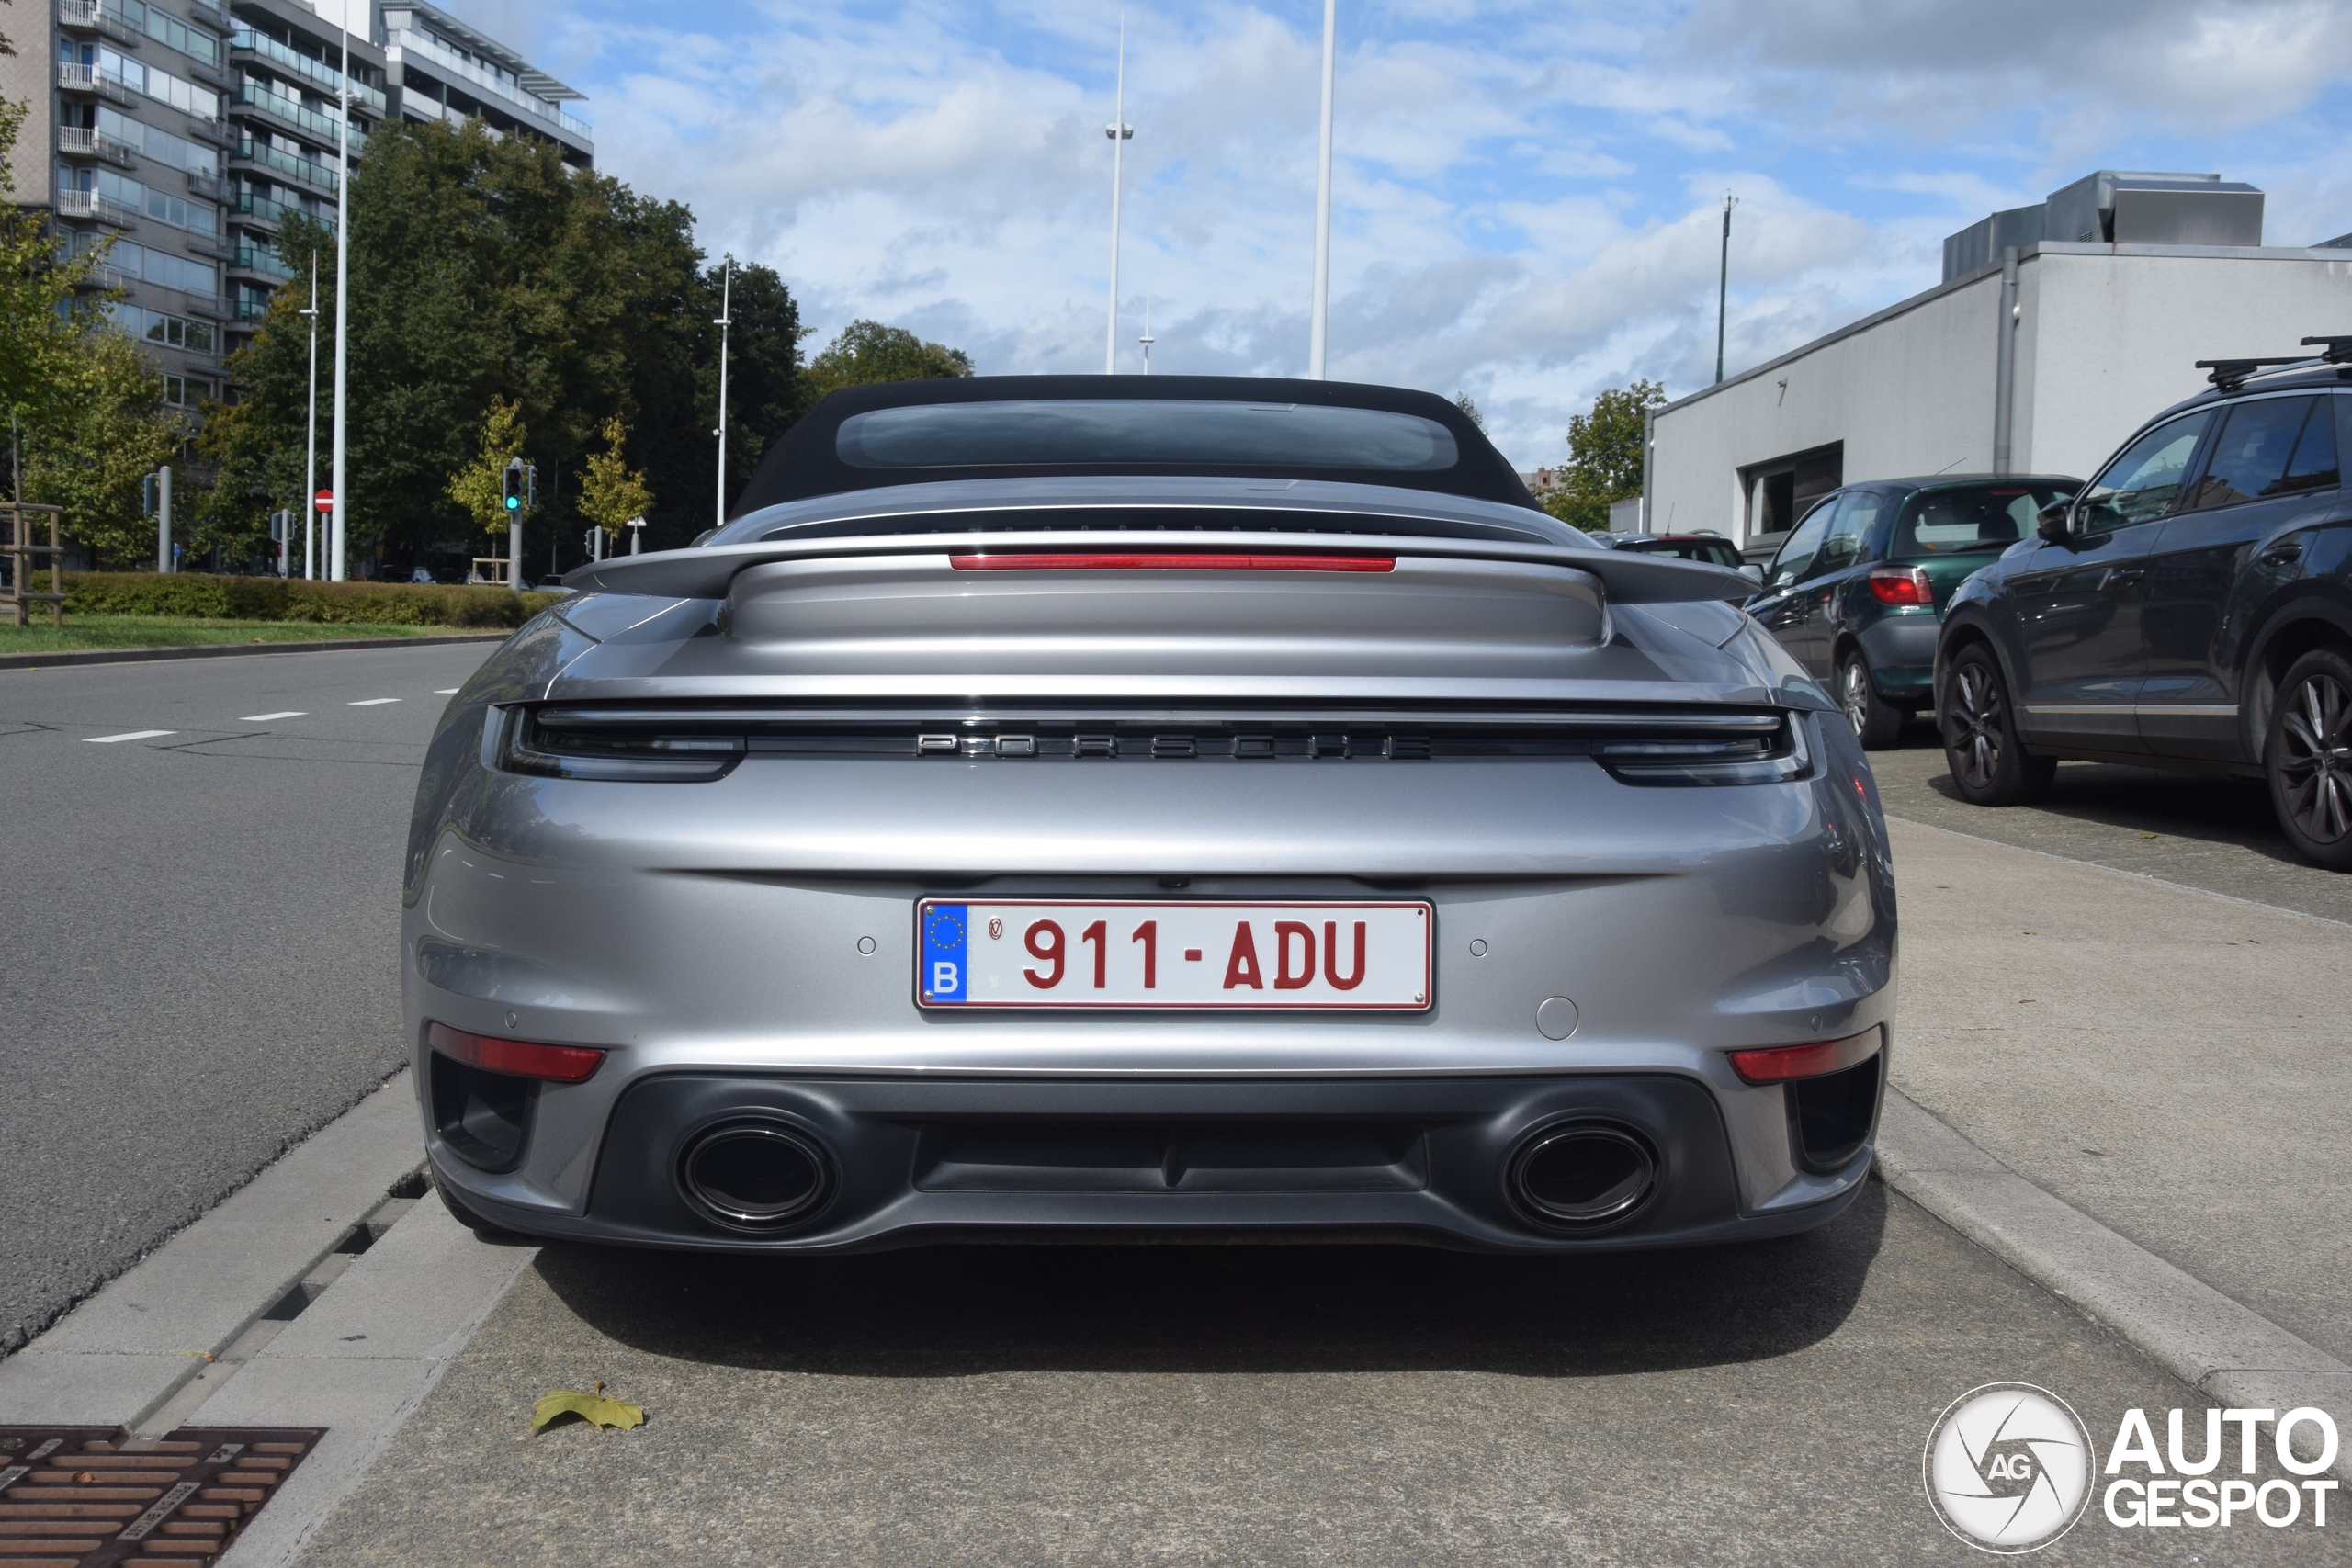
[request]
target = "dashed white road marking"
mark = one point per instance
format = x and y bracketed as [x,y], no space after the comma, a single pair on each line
[445,690]
[371,702]
[265,717]
[127,735]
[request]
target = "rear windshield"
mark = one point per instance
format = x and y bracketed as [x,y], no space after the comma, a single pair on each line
[1965,519]
[1043,432]
[1711,552]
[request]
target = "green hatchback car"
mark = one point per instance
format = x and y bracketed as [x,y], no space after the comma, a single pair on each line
[1857,589]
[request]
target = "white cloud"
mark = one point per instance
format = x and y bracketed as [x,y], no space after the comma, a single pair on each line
[1526,196]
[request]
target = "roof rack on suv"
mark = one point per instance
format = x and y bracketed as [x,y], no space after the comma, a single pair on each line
[2335,350]
[2231,374]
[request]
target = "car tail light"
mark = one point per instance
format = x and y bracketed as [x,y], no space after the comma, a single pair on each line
[1786,1064]
[1901,585]
[516,1058]
[1778,757]
[1168,560]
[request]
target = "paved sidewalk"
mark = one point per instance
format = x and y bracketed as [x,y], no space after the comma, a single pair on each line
[2171,1061]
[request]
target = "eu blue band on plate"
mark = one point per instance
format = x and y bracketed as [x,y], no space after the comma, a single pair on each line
[944,928]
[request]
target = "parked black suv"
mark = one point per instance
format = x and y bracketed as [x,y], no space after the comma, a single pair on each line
[2191,608]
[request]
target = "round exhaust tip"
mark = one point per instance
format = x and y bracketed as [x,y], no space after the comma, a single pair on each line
[755,1175]
[1583,1175]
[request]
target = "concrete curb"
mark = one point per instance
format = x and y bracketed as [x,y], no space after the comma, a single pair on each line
[126,1352]
[71,658]
[2226,1351]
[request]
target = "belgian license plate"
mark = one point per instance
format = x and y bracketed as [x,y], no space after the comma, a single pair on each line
[1082,952]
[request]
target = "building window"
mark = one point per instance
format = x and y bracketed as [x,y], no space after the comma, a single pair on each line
[186,391]
[1781,489]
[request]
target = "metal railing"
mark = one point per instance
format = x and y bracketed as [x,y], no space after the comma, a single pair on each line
[447,59]
[88,15]
[103,276]
[294,59]
[250,309]
[247,151]
[327,127]
[90,204]
[74,78]
[253,258]
[81,141]
[264,209]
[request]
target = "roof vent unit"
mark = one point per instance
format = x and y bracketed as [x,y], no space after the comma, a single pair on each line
[1980,244]
[2122,208]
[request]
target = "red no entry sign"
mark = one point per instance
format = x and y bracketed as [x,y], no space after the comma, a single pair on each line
[324,501]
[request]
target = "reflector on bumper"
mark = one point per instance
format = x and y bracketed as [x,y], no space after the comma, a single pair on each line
[516,1058]
[1785,1063]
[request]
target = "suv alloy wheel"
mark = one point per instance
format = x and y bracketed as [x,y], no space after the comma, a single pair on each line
[2309,758]
[1879,724]
[1988,765]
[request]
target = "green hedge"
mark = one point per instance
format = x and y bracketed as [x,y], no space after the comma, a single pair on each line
[279,599]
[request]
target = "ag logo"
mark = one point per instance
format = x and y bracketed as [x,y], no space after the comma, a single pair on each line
[2009,1467]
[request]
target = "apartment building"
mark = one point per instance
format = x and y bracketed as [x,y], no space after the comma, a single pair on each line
[189,133]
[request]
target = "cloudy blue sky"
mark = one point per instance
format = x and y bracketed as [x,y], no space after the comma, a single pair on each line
[1526,198]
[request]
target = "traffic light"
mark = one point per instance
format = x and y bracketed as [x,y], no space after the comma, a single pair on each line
[513,483]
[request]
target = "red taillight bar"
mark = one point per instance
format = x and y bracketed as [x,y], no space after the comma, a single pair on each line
[1902,585]
[519,1058]
[1171,561]
[1785,1063]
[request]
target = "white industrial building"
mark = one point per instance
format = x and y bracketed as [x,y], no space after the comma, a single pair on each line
[2037,353]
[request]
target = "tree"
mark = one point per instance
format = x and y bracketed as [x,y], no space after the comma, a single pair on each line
[610,495]
[1469,406]
[1605,456]
[107,431]
[481,486]
[866,352]
[486,268]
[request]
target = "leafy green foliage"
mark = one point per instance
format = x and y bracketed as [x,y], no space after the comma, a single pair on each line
[481,486]
[1605,456]
[284,599]
[866,352]
[483,268]
[610,495]
[105,431]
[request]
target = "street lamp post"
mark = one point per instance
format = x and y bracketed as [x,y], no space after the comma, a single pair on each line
[342,499]
[1317,331]
[1121,133]
[310,440]
[1147,340]
[1723,283]
[726,320]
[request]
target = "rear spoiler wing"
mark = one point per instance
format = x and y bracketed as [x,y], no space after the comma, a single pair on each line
[707,572]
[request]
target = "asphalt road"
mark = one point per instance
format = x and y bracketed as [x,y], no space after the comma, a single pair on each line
[202,936]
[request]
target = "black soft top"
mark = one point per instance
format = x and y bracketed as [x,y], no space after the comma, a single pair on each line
[806,461]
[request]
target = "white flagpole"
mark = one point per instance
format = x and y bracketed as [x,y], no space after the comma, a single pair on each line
[726,321]
[342,501]
[1319,330]
[1119,132]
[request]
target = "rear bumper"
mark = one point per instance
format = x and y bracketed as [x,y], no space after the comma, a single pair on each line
[915,1161]
[1902,654]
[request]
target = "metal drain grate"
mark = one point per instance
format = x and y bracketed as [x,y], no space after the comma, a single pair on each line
[96,1496]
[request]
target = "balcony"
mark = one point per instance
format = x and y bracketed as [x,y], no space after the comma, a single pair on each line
[309,122]
[89,17]
[74,78]
[261,46]
[261,210]
[250,309]
[106,279]
[79,141]
[203,305]
[89,204]
[254,258]
[448,62]
[301,170]
[206,186]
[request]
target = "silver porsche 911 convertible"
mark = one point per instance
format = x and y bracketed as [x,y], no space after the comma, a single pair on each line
[1115,809]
